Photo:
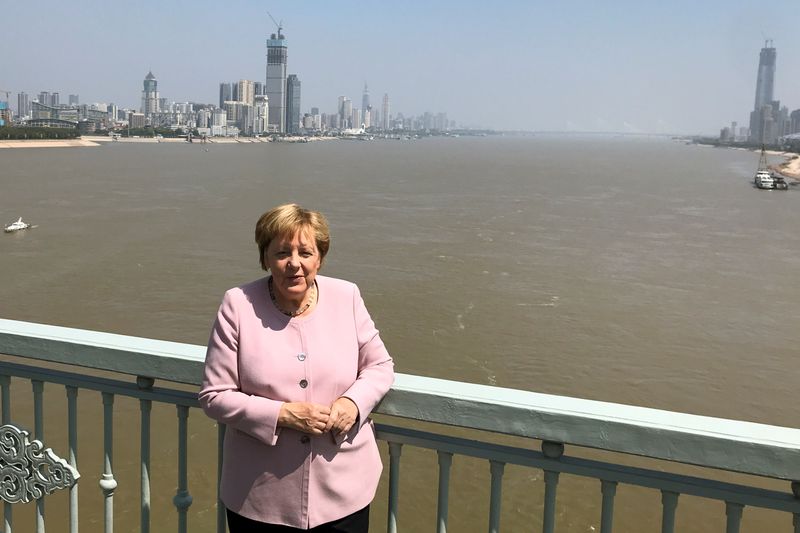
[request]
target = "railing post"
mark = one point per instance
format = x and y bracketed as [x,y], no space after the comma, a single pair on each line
[5,393]
[108,483]
[395,449]
[669,503]
[796,516]
[72,421]
[182,499]
[496,468]
[38,433]
[551,450]
[145,406]
[609,490]
[445,461]
[734,513]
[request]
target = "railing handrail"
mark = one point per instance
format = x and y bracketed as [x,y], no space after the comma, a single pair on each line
[734,445]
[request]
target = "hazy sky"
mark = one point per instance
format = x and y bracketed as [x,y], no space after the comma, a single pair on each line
[680,66]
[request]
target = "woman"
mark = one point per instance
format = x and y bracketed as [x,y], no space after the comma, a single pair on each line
[293,369]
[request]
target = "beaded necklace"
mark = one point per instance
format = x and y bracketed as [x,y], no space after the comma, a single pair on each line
[299,311]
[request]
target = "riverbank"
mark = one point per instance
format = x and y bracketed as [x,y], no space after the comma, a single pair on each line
[790,168]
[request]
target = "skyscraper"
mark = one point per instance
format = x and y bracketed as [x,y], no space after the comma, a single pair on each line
[276,81]
[23,104]
[365,98]
[150,95]
[292,104]
[225,94]
[246,90]
[385,111]
[761,117]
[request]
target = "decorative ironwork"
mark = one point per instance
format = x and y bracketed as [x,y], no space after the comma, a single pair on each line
[28,470]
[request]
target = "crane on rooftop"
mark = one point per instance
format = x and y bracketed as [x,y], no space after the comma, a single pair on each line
[278,24]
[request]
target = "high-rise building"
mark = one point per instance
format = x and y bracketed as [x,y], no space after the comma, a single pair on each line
[345,113]
[225,93]
[365,98]
[385,111]
[276,81]
[261,123]
[761,117]
[73,99]
[150,104]
[23,105]
[246,92]
[258,88]
[292,104]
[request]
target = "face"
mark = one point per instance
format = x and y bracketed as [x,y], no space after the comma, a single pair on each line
[294,262]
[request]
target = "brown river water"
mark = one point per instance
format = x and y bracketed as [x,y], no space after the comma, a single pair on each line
[634,270]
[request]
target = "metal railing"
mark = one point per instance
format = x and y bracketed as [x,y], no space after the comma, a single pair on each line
[726,445]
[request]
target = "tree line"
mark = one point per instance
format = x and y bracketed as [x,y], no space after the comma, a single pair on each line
[24,132]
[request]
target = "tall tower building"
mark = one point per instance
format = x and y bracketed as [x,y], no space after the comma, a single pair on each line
[365,98]
[765,84]
[150,95]
[385,111]
[292,104]
[246,90]
[225,94]
[23,104]
[276,81]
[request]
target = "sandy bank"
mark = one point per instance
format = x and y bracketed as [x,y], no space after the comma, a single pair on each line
[47,143]
[789,168]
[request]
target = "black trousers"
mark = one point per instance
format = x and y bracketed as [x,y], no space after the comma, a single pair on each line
[357,522]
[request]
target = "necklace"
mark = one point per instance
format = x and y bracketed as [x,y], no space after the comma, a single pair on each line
[297,312]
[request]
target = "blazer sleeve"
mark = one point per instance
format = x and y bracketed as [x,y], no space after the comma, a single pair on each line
[220,396]
[375,365]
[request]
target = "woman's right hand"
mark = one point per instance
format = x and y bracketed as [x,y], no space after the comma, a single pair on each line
[306,417]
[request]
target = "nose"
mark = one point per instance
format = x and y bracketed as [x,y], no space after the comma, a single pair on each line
[294,261]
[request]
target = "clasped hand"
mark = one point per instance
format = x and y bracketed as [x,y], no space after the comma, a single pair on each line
[317,419]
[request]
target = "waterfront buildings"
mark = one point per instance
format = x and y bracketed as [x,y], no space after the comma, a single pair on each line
[276,81]
[292,104]
[150,103]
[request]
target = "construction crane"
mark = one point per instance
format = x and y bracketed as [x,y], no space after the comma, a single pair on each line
[278,24]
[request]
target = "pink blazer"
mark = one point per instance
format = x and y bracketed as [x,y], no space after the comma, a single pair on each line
[257,359]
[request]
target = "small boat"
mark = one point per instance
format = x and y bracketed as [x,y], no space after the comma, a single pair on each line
[779,183]
[16,226]
[764,178]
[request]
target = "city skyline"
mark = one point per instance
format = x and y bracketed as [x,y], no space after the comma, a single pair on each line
[530,66]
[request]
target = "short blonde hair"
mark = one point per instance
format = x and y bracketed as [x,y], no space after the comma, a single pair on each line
[287,220]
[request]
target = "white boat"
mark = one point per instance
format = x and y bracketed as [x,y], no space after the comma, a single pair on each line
[763,180]
[16,226]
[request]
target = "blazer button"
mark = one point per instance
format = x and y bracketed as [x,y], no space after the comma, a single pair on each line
[305,439]
[301,356]
[303,384]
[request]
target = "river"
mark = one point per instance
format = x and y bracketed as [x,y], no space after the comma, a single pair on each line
[634,270]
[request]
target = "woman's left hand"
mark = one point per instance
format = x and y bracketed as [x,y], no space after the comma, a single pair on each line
[343,415]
